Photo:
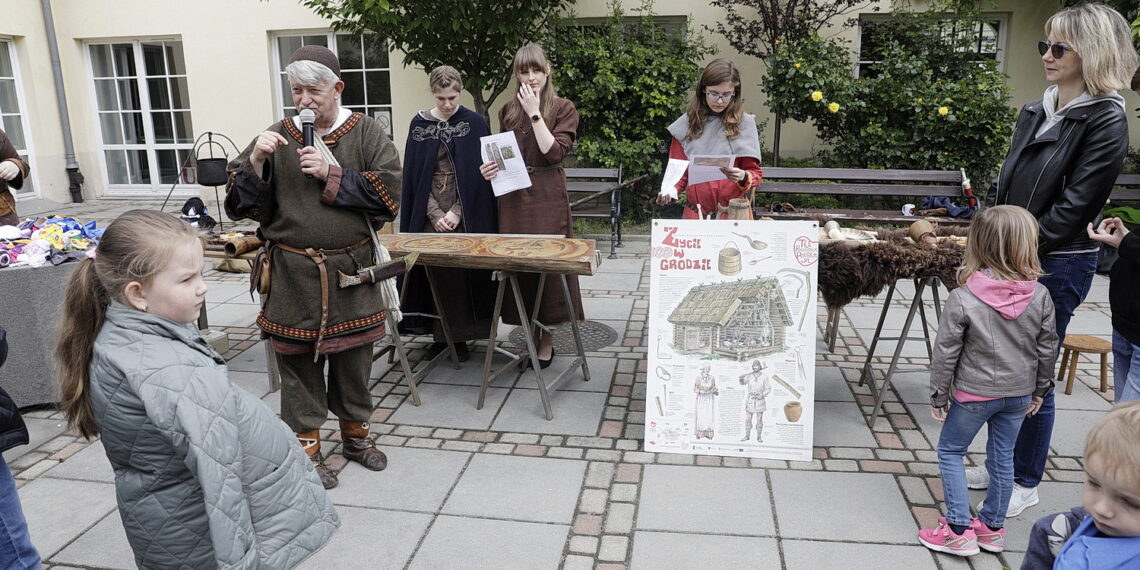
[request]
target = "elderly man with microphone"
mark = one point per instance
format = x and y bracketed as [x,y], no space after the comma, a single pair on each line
[319,184]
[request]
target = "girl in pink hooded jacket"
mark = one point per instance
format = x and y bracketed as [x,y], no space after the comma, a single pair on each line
[992,364]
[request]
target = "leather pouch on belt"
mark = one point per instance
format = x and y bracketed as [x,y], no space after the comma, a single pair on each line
[7,202]
[259,274]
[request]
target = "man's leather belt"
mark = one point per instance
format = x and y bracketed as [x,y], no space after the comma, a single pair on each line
[318,256]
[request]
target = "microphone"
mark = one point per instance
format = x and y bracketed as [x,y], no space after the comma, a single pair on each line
[308,117]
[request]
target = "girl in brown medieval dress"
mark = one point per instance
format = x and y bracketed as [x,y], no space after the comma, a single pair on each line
[545,126]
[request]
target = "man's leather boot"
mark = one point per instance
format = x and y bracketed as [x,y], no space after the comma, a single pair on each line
[359,447]
[311,443]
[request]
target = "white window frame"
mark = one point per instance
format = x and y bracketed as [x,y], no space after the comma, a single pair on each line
[1002,19]
[157,186]
[28,152]
[280,97]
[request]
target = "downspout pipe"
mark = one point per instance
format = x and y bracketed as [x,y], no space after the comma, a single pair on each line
[74,177]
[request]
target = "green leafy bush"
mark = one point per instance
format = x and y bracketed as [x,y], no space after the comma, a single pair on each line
[929,104]
[629,78]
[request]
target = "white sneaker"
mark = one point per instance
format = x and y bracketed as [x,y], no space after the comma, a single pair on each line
[1020,499]
[977,477]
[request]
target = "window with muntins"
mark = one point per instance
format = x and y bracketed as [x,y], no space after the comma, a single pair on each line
[363,68]
[11,110]
[143,107]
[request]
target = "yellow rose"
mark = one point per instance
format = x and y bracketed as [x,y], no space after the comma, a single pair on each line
[799,65]
[817,96]
[833,107]
[919,100]
[943,111]
[777,42]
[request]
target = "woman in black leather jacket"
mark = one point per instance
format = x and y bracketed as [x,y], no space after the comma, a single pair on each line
[16,550]
[1066,152]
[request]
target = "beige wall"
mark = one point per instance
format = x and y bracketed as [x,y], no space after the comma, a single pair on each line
[230,69]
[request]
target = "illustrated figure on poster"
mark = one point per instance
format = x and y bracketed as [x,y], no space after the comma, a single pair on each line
[705,387]
[759,386]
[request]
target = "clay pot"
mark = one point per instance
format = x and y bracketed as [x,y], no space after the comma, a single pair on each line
[793,410]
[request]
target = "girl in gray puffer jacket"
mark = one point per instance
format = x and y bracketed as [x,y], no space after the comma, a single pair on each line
[205,474]
[992,363]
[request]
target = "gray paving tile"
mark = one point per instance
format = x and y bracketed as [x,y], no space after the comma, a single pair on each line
[1091,321]
[830,385]
[854,556]
[619,327]
[575,413]
[40,431]
[518,488]
[610,309]
[256,383]
[60,510]
[222,292]
[849,499]
[1053,498]
[624,264]
[250,360]
[90,464]
[461,543]
[913,386]
[358,541]
[415,480]
[1012,558]
[450,406]
[1070,429]
[470,373]
[232,315]
[841,424]
[655,550]
[705,500]
[601,375]
[103,546]
[1084,397]
[611,282]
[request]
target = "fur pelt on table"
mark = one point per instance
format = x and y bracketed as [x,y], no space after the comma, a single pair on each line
[849,271]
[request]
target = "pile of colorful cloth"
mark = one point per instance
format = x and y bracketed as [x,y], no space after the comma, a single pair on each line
[37,242]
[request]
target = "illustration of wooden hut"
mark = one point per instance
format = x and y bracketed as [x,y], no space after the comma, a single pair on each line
[740,319]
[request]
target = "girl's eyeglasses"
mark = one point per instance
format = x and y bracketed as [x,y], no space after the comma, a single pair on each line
[1057,50]
[719,97]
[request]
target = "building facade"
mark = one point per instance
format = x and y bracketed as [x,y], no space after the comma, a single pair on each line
[145,81]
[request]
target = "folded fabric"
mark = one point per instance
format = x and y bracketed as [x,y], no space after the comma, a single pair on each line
[955,211]
[1128,215]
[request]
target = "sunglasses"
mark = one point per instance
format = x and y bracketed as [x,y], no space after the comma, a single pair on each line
[1058,50]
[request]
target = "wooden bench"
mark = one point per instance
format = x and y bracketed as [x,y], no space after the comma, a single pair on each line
[908,186]
[1130,191]
[590,189]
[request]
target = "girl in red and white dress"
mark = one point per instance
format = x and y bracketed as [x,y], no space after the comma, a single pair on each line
[715,124]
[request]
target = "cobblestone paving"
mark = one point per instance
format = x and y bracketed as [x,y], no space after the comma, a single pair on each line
[602,530]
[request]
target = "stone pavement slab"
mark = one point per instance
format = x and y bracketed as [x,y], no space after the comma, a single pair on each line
[450,406]
[705,500]
[90,464]
[841,424]
[1070,429]
[853,503]
[610,281]
[607,308]
[519,488]
[575,413]
[679,551]
[1054,498]
[256,383]
[470,373]
[40,431]
[461,543]
[376,538]
[222,292]
[234,315]
[415,480]
[251,360]
[830,386]
[601,375]
[855,555]
[58,510]
[104,546]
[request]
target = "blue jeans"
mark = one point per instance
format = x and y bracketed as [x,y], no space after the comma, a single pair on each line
[1004,416]
[1125,368]
[16,550]
[1068,278]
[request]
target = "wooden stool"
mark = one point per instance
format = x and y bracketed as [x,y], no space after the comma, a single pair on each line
[1074,345]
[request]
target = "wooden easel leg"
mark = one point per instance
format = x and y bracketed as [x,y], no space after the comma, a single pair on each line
[398,343]
[866,375]
[574,328]
[492,341]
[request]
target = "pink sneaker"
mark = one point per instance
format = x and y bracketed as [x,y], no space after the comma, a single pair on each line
[943,539]
[987,539]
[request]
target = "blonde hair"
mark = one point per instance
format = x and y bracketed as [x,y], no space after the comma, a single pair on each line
[135,247]
[1114,438]
[716,72]
[445,77]
[1002,239]
[1103,40]
[529,57]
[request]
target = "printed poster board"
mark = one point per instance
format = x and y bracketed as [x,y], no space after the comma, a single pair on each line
[732,335]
